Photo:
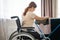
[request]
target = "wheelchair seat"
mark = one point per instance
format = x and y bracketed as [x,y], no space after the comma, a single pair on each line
[27,27]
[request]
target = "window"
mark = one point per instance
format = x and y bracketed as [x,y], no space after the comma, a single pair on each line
[58,8]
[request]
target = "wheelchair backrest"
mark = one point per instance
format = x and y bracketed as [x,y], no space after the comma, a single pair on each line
[17,21]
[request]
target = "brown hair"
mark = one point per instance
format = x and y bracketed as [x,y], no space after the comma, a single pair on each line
[32,4]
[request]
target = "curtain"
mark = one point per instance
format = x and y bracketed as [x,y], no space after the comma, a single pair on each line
[48,8]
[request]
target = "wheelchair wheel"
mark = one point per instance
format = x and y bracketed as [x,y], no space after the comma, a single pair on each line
[22,36]
[14,33]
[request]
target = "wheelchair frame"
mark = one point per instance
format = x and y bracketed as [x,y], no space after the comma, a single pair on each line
[20,32]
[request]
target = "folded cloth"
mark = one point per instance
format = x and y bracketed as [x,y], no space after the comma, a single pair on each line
[45,22]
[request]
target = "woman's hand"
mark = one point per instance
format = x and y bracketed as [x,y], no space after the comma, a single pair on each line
[46,18]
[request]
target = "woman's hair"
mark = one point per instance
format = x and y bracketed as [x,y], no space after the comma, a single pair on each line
[32,4]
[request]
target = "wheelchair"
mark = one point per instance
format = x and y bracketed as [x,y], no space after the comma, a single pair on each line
[30,34]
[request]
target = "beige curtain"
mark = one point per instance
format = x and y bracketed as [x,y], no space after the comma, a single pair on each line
[48,8]
[7,27]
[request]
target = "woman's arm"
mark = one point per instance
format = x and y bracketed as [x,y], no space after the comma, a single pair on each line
[32,15]
[40,18]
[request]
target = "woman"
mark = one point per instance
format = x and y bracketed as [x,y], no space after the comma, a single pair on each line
[29,16]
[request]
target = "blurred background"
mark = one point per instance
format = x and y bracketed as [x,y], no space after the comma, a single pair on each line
[8,8]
